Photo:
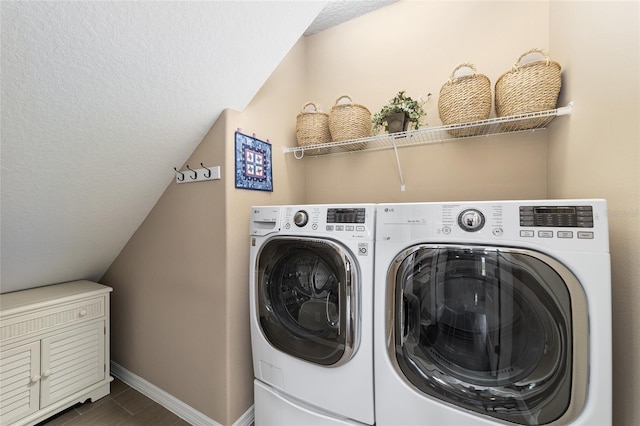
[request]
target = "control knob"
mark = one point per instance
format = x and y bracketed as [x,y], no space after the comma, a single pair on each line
[471,220]
[301,218]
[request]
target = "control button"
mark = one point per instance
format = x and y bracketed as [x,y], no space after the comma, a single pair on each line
[363,248]
[497,232]
[287,225]
[565,234]
[329,228]
[314,226]
[584,235]
[545,234]
[350,228]
[301,218]
[527,233]
[446,230]
[339,227]
[360,228]
[471,220]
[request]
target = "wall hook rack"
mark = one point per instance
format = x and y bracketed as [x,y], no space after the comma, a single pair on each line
[197,175]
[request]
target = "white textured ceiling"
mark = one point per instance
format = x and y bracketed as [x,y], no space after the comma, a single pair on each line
[337,12]
[100,100]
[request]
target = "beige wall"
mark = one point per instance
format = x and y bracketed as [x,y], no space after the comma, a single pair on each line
[181,283]
[180,316]
[169,310]
[414,46]
[596,154]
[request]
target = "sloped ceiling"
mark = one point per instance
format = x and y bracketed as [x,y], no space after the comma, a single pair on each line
[100,100]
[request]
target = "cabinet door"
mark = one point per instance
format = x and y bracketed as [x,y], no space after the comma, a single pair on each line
[19,382]
[72,361]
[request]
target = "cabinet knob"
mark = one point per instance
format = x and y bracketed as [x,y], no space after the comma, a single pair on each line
[83,312]
[35,378]
[46,373]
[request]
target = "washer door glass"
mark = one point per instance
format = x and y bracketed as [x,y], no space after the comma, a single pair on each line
[307,299]
[484,328]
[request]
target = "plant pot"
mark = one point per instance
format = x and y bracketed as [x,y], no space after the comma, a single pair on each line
[397,122]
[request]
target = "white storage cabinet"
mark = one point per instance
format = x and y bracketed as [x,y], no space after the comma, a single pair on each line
[54,350]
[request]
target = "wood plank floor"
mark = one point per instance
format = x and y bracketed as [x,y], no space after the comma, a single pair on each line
[124,406]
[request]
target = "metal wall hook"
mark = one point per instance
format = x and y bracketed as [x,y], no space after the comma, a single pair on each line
[208,174]
[195,174]
[181,178]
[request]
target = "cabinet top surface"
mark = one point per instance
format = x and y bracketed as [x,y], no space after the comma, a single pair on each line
[48,293]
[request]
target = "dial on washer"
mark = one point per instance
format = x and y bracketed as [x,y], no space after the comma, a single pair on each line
[471,220]
[301,218]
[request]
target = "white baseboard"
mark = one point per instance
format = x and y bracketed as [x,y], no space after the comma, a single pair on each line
[171,403]
[247,418]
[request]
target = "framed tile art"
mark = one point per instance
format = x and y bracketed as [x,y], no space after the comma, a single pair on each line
[253,163]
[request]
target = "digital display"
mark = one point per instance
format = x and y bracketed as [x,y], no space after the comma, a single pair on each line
[346,215]
[555,210]
[557,217]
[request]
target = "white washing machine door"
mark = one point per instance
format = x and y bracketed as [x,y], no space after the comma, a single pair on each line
[488,329]
[307,296]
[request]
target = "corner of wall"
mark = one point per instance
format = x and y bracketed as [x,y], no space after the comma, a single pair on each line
[271,115]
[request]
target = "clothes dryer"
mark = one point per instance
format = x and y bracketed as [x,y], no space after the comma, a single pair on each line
[490,313]
[311,304]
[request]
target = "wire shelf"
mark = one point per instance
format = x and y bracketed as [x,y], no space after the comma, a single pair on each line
[431,135]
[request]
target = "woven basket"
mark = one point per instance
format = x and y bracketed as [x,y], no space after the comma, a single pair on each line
[349,121]
[464,99]
[529,87]
[312,127]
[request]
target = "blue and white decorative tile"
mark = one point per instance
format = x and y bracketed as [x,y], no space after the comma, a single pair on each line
[253,163]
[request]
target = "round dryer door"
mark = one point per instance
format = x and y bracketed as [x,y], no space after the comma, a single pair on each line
[487,329]
[307,299]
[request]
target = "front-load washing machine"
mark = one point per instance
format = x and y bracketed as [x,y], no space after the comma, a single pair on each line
[311,305]
[492,313]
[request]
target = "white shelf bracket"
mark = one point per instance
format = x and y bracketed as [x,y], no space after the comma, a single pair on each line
[395,149]
[565,110]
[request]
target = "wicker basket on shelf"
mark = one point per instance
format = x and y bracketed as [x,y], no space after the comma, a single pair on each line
[528,87]
[349,121]
[312,126]
[465,99]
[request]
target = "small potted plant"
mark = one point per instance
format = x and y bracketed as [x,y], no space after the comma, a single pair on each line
[401,111]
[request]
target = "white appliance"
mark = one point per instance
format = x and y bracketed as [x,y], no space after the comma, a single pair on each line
[311,304]
[492,313]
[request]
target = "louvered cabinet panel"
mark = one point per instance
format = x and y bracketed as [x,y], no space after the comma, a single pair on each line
[19,375]
[71,362]
[54,350]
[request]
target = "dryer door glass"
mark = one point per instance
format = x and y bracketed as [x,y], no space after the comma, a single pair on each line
[307,299]
[487,329]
